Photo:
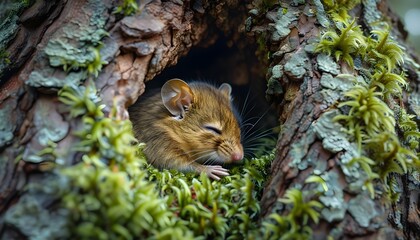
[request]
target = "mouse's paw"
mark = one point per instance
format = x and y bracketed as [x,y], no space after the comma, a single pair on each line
[214,171]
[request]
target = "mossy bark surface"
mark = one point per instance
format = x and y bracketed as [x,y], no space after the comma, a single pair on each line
[308,86]
[49,44]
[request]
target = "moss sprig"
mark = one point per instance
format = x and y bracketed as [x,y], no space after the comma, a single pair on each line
[390,156]
[410,129]
[390,84]
[338,9]
[368,114]
[302,206]
[383,51]
[92,63]
[127,7]
[343,46]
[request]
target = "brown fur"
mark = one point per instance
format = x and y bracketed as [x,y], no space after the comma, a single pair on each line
[184,143]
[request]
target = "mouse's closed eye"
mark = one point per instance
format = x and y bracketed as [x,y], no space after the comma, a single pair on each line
[214,129]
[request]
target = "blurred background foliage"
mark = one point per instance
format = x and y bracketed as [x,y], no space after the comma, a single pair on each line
[409,11]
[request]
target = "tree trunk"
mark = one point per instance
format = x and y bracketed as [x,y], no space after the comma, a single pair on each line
[304,86]
[47,45]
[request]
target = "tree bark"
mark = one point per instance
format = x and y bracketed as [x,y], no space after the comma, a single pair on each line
[137,48]
[304,102]
[47,37]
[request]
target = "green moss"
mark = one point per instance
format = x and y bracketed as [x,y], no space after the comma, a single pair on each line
[372,124]
[4,57]
[74,59]
[367,119]
[350,42]
[358,123]
[389,155]
[390,84]
[109,197]
[338,9]
[127,7]
[410,129]
[368,114]
[302,207]
[383,52]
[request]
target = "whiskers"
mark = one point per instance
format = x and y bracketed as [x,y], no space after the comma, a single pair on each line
[203,156]
[257,141]
[212,159]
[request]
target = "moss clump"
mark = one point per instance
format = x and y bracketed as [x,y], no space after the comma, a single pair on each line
[366,115]
[216,209]
[338,9]
[109,197]
[383,52]
[127,7]
[350,42]
[294,225]
[410,130]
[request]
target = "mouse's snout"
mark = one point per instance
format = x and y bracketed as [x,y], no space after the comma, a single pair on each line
[237,156]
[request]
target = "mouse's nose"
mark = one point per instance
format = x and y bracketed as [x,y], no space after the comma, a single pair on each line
[237,156]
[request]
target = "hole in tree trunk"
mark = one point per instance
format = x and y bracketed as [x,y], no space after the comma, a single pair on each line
[240,67]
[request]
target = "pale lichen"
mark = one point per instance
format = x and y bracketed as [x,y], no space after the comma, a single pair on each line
[6,127]
[363,210]
[333,199]
[326,64]
[297,65]
[31,214]
[282,23]
[75,48]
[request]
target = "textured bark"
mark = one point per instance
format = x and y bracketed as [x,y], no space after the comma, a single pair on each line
[300,150]
[136,49]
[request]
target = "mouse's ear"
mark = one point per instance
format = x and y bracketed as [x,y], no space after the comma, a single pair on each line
[226,89]
[177,97]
